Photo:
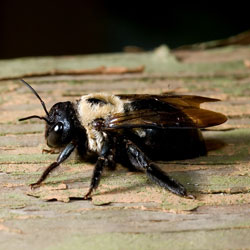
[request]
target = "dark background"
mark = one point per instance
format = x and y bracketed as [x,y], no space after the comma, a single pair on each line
[60,27]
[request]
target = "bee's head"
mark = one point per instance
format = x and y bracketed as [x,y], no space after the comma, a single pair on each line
[60,126]
[60,122]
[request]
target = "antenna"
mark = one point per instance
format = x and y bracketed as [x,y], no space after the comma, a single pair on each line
[42,102]
[34,116]
[36,94]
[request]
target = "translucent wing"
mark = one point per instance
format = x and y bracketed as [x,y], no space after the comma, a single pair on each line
[164,111]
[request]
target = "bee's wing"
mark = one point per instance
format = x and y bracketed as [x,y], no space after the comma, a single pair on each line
[159,111]
[190,118]
[177,100]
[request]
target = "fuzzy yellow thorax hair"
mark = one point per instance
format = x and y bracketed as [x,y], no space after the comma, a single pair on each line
[89,112]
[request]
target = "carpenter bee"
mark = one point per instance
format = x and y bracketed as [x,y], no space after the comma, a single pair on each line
[133,130]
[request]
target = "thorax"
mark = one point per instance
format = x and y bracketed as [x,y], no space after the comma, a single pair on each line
[97,106]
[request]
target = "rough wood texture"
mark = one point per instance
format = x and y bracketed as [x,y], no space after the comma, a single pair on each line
[127,211]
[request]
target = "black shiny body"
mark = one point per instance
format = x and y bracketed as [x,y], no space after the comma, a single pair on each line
[151,128]
[122,146]
[170,144]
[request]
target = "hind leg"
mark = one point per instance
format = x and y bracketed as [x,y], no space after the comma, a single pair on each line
[141,162]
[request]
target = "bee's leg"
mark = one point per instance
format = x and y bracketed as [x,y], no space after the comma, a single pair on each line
[140,161]
[106,159]
[102,161]
[96,177]
[62,157]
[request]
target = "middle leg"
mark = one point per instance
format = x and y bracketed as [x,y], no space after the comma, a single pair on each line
[105,159]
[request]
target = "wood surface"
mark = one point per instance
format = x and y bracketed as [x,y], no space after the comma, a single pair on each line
[127,211]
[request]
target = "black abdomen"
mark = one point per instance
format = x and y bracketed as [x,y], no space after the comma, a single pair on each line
[171,144]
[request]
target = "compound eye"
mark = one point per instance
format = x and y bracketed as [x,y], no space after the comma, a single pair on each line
[58,127]
[54,137]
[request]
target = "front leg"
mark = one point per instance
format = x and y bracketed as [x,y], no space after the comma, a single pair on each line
[62,157]
[140,161]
